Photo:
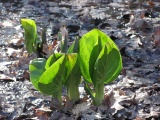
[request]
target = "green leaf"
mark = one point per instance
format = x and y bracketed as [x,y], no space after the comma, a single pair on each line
[108,65]
[87,43]
[52,59]
[93,57]
[89,48]
[100,62]
[74,48]
[73,69]
[73,76]
[50,82]
[30,34]
[64,44]
[36,68]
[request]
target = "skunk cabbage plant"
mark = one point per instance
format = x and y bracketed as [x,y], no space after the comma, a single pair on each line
[48,76]
[30,34]
[95,57]
[100,61]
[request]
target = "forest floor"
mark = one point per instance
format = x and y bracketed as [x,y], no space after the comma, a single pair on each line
[133,25]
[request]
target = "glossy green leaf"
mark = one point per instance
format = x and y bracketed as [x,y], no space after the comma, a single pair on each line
[100,62]
[89,48]
[108,65]
[36,68]
[70,62]
[87,43]
[52,59]
[30,34]
[74,48]
[61,69]
[73,68]
[73,76]
[50,82]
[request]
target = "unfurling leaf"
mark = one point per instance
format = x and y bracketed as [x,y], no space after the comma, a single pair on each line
[30,34]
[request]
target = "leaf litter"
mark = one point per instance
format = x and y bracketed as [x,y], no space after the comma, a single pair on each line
[133,25]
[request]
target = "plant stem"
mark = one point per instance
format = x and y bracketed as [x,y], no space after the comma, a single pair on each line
[58,95]
[99,90]
[73,91]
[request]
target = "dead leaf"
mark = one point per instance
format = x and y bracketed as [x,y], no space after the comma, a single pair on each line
[151,3]
[115,101]
[156,35]
[45,49]
[12,52]
[55,104]
[107,98]
[6,78]
[85,98]
[142,24]
[80,108]
[92,115]
[54,43]
[26,75]
[16,41]
[41,115]
[121,92]
[139,118]
[44,109]
[7,23]
[25,54]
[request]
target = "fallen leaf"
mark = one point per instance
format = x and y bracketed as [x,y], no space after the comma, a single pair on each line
[7,78]
[12,52]
[139,118]
[16,41]
[156,35]
[151,3]
[80,108]
[41,115]
[117,100]
[54,43]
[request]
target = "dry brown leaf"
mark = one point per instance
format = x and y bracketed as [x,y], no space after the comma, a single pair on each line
[45,48]
[107,98]
[85,98]
[41,115]
[156,35]
[139,118]
[151,3]
[25,54]
[16,41]
[26,75]
[54,43]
